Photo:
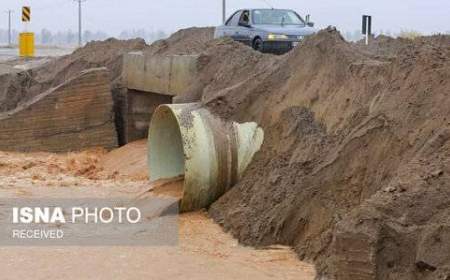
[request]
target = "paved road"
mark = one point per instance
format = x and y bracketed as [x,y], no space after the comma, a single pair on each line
[42,55]
[8,53]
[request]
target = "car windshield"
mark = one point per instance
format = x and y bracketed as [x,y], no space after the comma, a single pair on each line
[276,17]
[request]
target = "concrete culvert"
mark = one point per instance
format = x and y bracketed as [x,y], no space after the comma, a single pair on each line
[186,139]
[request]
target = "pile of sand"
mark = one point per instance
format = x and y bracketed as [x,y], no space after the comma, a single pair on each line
[356,156]
[226,66]
[354,169]
[17,87]
[183,42]
[128,161]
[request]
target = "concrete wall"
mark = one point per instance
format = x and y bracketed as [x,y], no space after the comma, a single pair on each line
[141,106]
[168,75]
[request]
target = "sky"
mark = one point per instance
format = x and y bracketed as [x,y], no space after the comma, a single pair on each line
[113,16]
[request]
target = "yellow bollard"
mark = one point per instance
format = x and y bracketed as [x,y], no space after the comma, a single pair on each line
[26,44]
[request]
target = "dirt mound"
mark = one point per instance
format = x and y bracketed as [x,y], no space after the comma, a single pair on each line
[228,66]
[172,187]
[50,169]
[20,86]
[185,41]
[384,45]
[354,170]
[23,86]
[106,53]
[129,161]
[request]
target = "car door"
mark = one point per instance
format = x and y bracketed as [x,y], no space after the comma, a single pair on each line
[229,29]
[244,31]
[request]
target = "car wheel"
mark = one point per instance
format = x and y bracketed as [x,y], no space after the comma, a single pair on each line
[258,44]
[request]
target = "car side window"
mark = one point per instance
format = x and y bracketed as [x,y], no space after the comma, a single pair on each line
[245,18]
[234,19]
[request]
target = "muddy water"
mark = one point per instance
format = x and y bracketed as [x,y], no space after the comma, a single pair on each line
[169,188]
[204,251]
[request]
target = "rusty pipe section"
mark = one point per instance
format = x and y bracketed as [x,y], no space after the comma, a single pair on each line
[212,154]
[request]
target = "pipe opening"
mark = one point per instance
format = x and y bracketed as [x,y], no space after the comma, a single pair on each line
[166,146]
[187,142]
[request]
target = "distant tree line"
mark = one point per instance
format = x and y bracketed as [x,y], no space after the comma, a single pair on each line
[70,38]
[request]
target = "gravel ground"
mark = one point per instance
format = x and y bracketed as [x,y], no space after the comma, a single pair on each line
[11,53]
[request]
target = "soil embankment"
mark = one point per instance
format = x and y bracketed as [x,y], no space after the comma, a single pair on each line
[354,169]
[129,160]
[31,90]
[20,87]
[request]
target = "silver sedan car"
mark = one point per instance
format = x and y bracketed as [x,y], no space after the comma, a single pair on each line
[266,30]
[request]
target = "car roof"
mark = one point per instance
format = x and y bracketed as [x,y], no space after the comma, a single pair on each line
[267,9]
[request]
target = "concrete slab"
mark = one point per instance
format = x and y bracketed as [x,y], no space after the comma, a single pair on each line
[168,75]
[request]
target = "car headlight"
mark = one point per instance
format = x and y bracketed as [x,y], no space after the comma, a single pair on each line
[276,36]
